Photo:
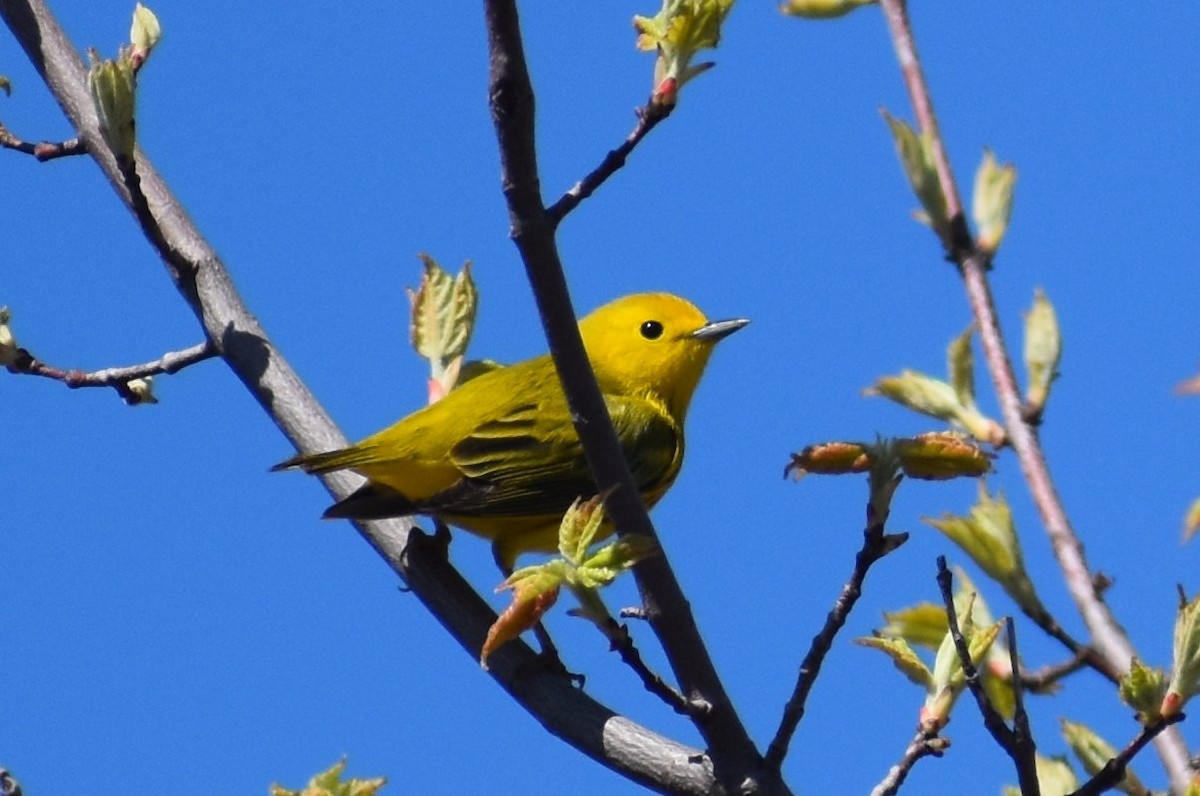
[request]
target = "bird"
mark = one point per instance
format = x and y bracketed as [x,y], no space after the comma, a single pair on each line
[499,456]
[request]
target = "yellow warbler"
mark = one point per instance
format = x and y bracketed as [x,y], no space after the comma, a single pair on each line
[499,456]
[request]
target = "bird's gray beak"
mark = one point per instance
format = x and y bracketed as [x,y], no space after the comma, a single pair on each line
[718,330]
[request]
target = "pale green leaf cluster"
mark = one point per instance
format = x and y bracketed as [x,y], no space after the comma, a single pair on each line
[916,156]
[992,203]
[1043,351]
[1144,688]
[1055,778]
[114,92]
[580,568]
[989,536]
[945,681]
[330,783]
[9,350]
[442,321]
[680,30]
[822,9]
[1094,753]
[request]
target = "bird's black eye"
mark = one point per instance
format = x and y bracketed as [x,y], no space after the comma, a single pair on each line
[652,330]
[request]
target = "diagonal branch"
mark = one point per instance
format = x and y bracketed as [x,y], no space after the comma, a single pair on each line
[648,117]
[201,278]
[875,546]
[1109,638]
[734,756]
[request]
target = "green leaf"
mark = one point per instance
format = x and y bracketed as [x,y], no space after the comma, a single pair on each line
[916,156]
[1143,689]
[144,33]
[680,30]
[960,362]
[443,318]
[1043,350]
[113,90]
[992,205]
[330,783]
[579,527]
[903,657]
[989,536]
[822,9]
[923,624]
[1185,677]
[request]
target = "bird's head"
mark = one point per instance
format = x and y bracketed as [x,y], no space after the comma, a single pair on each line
[652,343]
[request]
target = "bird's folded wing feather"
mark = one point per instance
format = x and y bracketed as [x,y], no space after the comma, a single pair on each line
[530,461]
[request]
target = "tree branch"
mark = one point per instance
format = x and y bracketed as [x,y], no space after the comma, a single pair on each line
[616,742]
[648,117]
[1113,772]
[118,378]
[922,745]
[734,756]
[875,546]
[1109,638]
[43,150]
[1017,746]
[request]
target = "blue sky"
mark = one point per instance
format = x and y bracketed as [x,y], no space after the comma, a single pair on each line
[177,619]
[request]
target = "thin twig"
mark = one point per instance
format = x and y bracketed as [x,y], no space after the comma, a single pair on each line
[1043,679]
[735,759]
[621,642]
[648,117]
[42,150]
[1024,748]
[118,378]
[922,745]
[1020,750]
[1114,770]
[875,546]
[1108,637]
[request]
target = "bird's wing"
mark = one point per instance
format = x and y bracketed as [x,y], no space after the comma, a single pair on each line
[530,462]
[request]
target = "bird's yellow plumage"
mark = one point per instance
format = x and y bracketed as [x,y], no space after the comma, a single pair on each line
[499,455]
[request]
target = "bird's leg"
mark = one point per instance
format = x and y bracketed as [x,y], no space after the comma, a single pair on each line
[438,541]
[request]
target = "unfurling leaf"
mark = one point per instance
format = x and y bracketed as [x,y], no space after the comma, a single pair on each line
[680,30]
[1189,387]
[144,34]
[1043,350]
[960,364]
[579,527]
[989,537]
[992,205]
[949,678]
[1143,689]
[535,590]
[1094,753]
[903,656]
[936,398]
[1191,520]
[924,624]
[916,156]
[1185,676]
[10,352]
[822,9]
[330,783]
[443,318]
[114,93]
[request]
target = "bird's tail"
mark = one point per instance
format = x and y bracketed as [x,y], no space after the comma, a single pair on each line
[371,502]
